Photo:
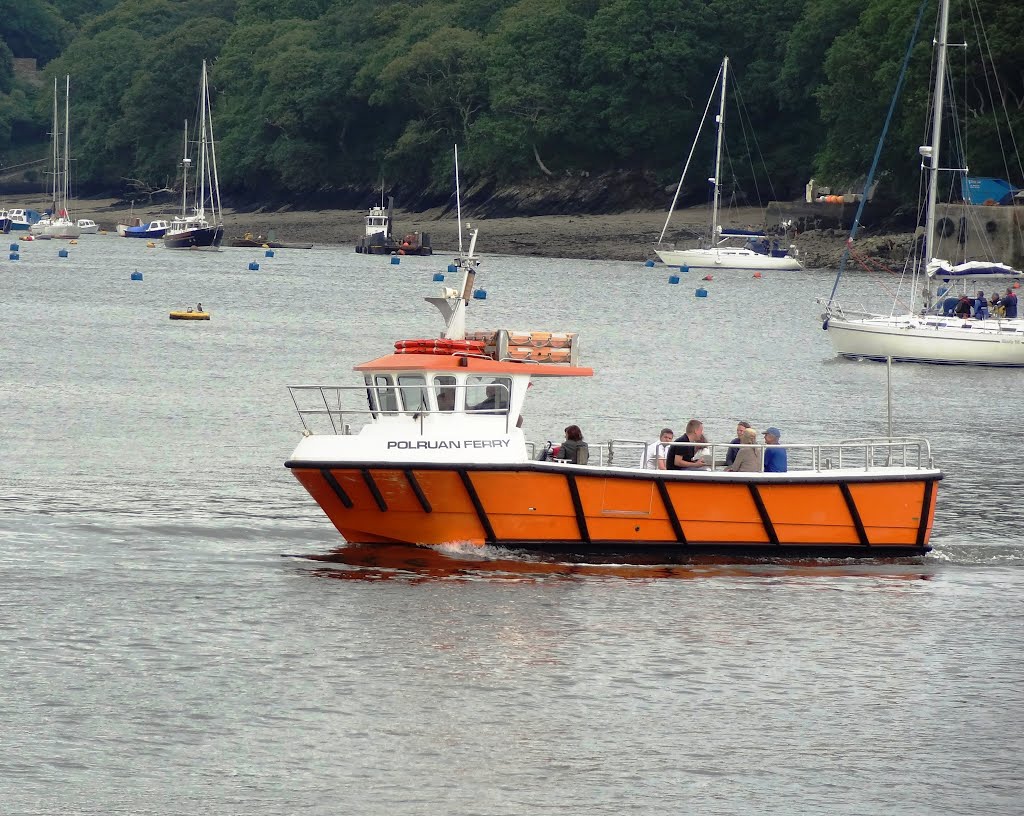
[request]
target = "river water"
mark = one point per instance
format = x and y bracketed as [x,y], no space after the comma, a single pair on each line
[182,630]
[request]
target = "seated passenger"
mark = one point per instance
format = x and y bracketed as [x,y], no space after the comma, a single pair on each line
[496,399]
[774,456]
[730,453]
[446,399]
[747,460]
[574,450]
[963,308]
[655,452]
[687,457]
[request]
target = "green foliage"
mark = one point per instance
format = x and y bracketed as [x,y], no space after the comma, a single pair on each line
[315,96]
[33,28]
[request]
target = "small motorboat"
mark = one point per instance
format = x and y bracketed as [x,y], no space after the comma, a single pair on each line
[154,229]
[87,226]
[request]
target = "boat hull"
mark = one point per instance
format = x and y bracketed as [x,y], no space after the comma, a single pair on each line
[941,341]
[55,230]
[253,244]
[580,510]
[138,232]
[208,238]
[727,258]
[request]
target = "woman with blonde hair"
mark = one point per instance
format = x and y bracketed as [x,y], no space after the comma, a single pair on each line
[748,460]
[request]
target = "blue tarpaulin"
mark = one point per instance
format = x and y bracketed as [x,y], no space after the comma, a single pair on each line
[980,190]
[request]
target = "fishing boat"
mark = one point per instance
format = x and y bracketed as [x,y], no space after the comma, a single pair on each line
[378,236]
[192,229]
[725,248]
[88,226]
[932,331]
[57,223]
[156,228]
[427,449]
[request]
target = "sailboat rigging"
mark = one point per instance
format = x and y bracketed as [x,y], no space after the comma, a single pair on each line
[58,223]
[936,333]
[757,251]
[193,230]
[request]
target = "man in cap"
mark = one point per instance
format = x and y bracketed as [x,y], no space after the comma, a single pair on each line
[774,456]
[730,454]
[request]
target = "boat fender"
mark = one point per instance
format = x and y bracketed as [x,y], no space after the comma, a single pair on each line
[944,227]
[991,226]
[824,324]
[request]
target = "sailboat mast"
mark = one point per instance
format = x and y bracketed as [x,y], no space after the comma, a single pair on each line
[201,192]
[55,147]
[931,151]
[718,155]
[66,185]
[214,181]
[185,162]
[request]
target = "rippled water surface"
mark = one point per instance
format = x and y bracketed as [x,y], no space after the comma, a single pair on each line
[182,631]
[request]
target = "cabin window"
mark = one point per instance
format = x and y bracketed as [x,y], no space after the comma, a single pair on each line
[387,399]
[488,394]
[414,391]
[371,395]
[444,392]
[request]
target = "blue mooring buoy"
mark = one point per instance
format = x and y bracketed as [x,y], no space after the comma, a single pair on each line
[395,260]
[702,292]
[14,256]
[268,254]
[452,268]
[62,253]
[439,276]
[673,279]
[136,275]
[15,247]
[480,294]
[684,268]
[253,266]
[648,264]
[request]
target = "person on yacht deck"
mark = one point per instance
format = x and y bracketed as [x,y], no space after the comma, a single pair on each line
[963,308]
[1009,303]
[748,460]
[981,306]
[687,456]
[730,453]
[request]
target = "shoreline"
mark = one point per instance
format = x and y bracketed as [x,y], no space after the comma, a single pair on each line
[627,236]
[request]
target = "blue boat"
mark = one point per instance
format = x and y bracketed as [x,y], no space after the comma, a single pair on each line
[154,229]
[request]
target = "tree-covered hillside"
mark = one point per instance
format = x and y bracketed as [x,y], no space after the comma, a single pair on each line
[329,97]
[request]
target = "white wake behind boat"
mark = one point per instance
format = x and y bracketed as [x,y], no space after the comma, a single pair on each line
[726,248]
[934,334]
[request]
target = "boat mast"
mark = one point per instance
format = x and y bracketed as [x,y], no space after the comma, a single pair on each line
[185,162]
[718,156]
[930,152]
[453,303]
[214,181]
[66,185]
[55,148]
[201,191]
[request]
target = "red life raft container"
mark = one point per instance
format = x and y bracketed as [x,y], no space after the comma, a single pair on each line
[439,346]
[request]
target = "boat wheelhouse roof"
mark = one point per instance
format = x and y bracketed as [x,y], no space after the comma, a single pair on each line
[473,364]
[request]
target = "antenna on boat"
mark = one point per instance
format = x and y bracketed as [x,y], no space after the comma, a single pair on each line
[453,303]
[458,197]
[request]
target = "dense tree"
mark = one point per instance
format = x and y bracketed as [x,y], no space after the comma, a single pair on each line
[33,28]
[335,97]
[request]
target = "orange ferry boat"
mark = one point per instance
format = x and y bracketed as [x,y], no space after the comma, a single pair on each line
[426,450]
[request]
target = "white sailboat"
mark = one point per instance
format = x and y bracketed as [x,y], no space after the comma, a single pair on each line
[59,224]
[193,230]
[931,334]
[721,251]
